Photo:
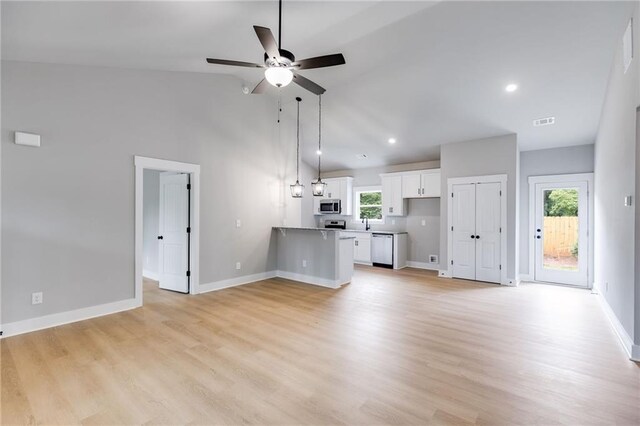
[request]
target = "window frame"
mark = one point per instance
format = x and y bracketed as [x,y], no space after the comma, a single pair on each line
[356,203]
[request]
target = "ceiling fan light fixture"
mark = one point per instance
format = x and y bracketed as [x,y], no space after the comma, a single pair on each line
[278,76]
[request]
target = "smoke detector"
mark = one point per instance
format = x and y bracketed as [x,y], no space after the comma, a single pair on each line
[544,121]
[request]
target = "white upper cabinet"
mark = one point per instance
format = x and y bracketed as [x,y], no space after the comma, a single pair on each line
[392,202]
[337,189]
[431,183]
[421,184]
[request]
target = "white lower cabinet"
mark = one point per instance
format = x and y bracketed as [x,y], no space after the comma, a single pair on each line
[361,246]
[362,252]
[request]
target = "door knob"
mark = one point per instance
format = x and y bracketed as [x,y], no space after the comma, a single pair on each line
[160,237]
[473,236]
[538,230]
[477,237]
[538,236]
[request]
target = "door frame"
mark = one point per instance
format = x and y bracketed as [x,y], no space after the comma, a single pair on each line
[502,179]
[574,177]
[142,163]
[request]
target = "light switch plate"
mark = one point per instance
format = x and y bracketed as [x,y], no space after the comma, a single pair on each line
[238,223]
[36,298]
[238,265]
[27,139]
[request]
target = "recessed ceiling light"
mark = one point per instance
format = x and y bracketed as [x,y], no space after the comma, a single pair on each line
[392,140]
[318,152]
[511,87]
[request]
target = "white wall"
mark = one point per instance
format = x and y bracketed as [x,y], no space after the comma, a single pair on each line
[150,219]
[68,207]
[422,240]
[615,178]
[556,161]
[491,156]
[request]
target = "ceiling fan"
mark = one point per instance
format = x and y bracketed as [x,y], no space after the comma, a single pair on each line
[281,67]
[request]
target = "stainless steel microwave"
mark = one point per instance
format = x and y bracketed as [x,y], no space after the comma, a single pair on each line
[330,207]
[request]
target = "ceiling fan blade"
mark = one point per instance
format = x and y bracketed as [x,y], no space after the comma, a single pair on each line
[320,62]
[234,63]
[308,84]
[260,87]
[268,42]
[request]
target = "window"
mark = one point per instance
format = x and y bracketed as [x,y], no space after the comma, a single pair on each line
[368,204]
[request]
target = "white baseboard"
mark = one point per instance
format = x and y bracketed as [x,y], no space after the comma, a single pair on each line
[423,265]
[308,279]
[512,282]
[526,277]
[61,318]
[234,282]
[150,274]
[633,351]
[444,273]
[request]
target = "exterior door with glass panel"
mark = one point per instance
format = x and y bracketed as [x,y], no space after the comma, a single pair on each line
[561,234]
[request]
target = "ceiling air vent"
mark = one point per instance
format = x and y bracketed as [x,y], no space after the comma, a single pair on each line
[361,156]
[544,121]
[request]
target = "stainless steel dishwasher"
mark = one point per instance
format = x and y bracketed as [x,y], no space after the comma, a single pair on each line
[382,250]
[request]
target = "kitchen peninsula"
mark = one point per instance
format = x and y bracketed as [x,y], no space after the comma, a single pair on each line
[314,256]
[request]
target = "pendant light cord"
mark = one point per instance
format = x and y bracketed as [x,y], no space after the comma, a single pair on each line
[298,143]
[319,133]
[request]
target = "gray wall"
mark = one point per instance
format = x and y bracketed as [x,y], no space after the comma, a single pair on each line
[491,156]
[557,161]
[615,178]
[422,240]
[150,218]
[68,207]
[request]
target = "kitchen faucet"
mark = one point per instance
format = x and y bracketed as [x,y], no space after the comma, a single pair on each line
[365,220]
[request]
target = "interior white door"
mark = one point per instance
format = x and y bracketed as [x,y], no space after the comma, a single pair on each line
[173,257]
[488,238]
[561,233]
[464,231]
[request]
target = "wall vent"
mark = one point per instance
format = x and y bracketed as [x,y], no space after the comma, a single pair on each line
[433,258]
[544,121]
[361,156]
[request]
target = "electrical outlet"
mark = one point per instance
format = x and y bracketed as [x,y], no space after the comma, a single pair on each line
[393,221]
[238,223]
[304,263]
[424,222]
[36,298]
[238,265]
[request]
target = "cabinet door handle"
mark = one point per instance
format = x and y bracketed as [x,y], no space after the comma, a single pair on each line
[356,242]
[329,195]
[160,237]
[418,191]
[390,209]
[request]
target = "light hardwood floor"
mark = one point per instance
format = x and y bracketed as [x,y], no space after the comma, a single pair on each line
[393,347]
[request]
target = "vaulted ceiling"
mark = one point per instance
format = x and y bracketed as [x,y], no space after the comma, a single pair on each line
[425,73]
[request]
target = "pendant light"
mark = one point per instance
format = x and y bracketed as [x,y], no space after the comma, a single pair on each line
[297,189]
[318,186]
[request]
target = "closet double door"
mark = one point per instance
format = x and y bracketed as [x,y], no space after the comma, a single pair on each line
[476,229]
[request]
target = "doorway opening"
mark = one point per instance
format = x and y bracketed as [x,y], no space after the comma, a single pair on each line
[167,221]
[561,239]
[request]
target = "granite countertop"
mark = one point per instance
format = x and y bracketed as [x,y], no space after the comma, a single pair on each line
[309,228]
[374,232]
[306,228]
